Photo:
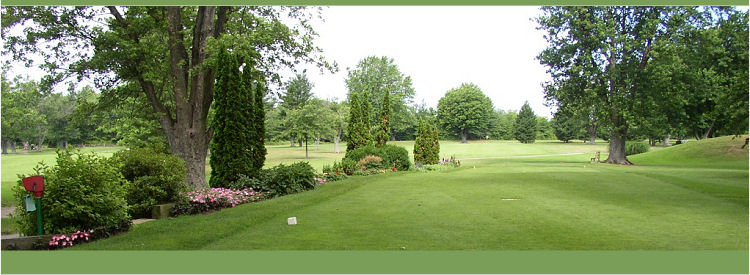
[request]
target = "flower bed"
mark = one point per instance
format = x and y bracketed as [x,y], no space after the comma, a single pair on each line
[203,200]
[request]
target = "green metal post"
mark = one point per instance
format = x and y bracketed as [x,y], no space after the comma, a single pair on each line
[39,223]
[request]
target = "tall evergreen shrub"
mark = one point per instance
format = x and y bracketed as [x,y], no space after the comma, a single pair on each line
[525,125]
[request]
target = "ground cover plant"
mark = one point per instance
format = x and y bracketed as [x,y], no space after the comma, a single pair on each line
[550,198]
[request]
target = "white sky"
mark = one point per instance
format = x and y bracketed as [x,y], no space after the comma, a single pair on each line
[440,48]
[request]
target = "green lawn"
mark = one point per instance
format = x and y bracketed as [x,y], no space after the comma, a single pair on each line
[514,203]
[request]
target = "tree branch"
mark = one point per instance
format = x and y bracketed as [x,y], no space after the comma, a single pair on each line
[178,61]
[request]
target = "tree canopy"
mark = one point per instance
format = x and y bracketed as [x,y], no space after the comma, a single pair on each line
[465,110]
[165,53]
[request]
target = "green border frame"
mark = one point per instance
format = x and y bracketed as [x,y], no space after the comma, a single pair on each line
[438,262]
[380,2]
[336,262]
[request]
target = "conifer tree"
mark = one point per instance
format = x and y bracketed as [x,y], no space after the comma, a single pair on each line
[259,118]
[419,143]
[384,129]
[231,148]
[364,120]
[352,133]
[434,156]
[525,125]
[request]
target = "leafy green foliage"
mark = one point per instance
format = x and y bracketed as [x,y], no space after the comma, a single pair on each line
[391,155]
[525,125]
[465,110]
[83,191]
[358,130]
[636,147]
[426,146]
[383,133]
[377,75]
[566,127]
[287,179]
[233,141]
[153,178]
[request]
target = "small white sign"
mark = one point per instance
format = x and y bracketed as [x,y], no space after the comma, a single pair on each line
[291,220]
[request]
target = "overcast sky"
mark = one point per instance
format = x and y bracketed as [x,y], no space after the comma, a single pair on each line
[440,48]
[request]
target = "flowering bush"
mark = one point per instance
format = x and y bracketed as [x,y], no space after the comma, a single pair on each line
[451,161]
[334,176]
[62,240]
[202,200]
[320,181]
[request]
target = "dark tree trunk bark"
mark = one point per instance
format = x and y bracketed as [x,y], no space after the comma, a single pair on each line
[39,143]
[463,136]
[13,146]
[336,140]
[617,149]
[592,133]
[5,144]
[300,142]
[305,148]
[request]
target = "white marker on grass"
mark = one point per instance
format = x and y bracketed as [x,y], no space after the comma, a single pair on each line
[291,220]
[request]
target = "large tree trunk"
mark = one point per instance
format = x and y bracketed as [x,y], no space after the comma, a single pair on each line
[186,125]
[592,133]
[5,144]
[463,136]
[39,143]
[13,146]
[617,148]
[336,139]
[300,142]
[291,141]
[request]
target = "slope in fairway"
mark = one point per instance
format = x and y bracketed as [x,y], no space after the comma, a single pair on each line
[541,203]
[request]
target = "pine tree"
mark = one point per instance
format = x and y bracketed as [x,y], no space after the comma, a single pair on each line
[419,143]
[231,148]
[352,133]
[525,126]
[434,156]
[364,120]
[259,119]
[384,129]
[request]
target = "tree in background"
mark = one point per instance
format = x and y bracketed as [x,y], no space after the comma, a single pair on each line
[232,143]
[382,135]
[339,112]
[525,125]
[566,127]
[297,93]
[464,110]
[168,53]
[544,130]
[376,75]
[312,121]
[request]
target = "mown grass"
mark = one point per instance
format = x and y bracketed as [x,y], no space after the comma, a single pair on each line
[514,203]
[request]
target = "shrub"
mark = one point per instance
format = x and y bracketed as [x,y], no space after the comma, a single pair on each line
[636,147]
[287,179]
[335,176]
[153,178]
[392,156]
[348,166]
[370,162]
[83,191]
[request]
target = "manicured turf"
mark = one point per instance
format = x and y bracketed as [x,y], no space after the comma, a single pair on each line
[516,203]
